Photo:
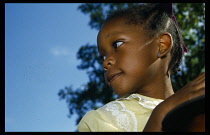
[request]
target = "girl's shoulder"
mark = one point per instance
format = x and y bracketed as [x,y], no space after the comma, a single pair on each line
[122,113]
[133,100]
[129,106]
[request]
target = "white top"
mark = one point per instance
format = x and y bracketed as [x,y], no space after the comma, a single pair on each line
[129,114]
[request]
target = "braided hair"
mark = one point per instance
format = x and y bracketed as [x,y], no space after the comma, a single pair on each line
[155,20]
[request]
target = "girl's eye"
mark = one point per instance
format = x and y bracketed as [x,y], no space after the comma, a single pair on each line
[116,44]
[104,57]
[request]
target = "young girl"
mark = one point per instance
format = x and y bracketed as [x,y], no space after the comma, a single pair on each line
[141,47]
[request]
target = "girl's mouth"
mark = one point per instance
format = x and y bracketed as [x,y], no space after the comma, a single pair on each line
[112,77]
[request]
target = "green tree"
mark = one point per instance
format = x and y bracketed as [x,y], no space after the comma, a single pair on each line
[191,19]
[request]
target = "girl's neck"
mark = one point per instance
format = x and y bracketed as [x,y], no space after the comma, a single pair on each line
[160,88]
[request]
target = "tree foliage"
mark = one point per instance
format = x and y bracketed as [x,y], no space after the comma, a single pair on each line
[191,19]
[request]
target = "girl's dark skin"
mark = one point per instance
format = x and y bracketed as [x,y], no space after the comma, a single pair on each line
[133,63]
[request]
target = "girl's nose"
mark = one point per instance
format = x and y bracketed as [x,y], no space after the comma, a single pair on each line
[109,61]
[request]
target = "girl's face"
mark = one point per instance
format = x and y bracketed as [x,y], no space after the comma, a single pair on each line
[129,57]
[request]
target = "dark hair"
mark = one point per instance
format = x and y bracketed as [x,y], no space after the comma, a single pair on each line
[155,20]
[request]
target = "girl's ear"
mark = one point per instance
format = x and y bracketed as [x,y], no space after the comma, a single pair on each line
[165,44]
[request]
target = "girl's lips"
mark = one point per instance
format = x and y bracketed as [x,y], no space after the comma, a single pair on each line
[112,77]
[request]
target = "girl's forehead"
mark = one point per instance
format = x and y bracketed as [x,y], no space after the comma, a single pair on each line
[116,26]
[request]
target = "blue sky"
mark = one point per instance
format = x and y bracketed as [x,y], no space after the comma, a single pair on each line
[41,42]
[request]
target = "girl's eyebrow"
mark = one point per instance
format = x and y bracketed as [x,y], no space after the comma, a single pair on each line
[113,33]
[107,36]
